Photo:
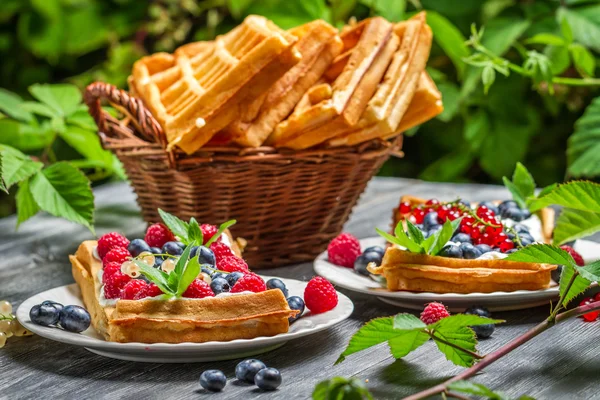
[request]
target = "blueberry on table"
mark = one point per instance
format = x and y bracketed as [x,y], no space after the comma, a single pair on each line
[219,285]
[451,251]
[469,251]
[296,303]
[44,314]
[138,246]
[247,369]
[461,238]
[275,283]
[483,248]
[233,277]
[376,249]
[172,248]
[430,220]
[482,331]
[213,380]
[360,265]
[75,319]
[479,311]
[268,379]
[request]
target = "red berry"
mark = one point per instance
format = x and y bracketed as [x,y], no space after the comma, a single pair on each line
[576,256]
[320,295]
[220,250]
[433,312]
[443,214]
[493,230]
[132,288]
[343,250]
[208,231]
[118,254]
[452,215]
[114,283]
[157,235]
[198,289]
[476,232]
[419,215]
[432,203]
[482,210]
[466,228]
[109,269]
[499,237]
[405,207]
[468,219]
[597,297]
[506,245]
[150,290]
[250,282]
[591,316]
[232,263]
[488,239]
[109,241]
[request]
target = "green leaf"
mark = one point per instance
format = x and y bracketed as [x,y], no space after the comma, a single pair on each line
[559,58]
[194,231]
[451,95]
[578,195]
[434,243]
[522,186]
[542,254]
[516,194]
[450,39]
[414,233]
[476,389]
[26,136]
[579,285]
[339,388]
[182,261]
[464,337]
[477,127]
[224,226]
[154,275]
[406,342]
[547,189]
[566,30]
[191,271]
[584,60]
[63,99]
[574,224]
[175,225]
[546,38]
[583,147]
[11,105]
[409,322]
[64,191]
[26,205]
[82,119]
[488,76]
[39,109]
[2,183]
[461,320]
[591,271]
[87,143]
[17,166]
[585,31]
[401,239]
[393,11]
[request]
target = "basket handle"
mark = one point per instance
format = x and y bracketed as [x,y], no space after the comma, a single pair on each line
[141,116]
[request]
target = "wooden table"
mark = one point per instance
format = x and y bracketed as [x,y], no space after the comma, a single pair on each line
[560,364]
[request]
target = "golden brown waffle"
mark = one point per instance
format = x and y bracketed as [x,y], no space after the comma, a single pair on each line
[243,316]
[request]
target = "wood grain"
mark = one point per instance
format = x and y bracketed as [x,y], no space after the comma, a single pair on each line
[560,364]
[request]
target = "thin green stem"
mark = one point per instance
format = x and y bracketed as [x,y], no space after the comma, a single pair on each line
[559,305]
[576,81]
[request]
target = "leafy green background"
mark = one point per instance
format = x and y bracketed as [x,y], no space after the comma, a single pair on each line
[478,138]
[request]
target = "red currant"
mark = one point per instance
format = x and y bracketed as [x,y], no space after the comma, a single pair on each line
[500,237]
[405,207]
[493,230]
[443,214]
[466,228]
[452,215]
[506,245]
[419,214]
[591,316]
[475,232]
[488,239]
[431,203]
[482,210]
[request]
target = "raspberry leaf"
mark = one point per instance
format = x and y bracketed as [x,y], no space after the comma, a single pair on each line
[578,195]
[460,320]
[590,272]
[222,228]
[404,343]
[26,205]
[579,285]
[62,99]
[2,184]
[341,388]
[156,276]
[542,254]
[462,337]
[191,271]
[194,231]
[475,389]
[407,322]
[574,224]
[175,225]
[16,166]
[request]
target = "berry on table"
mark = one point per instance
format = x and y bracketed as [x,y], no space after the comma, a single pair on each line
[132,288]
[56,305]
[249,282]
[556,273]
[451,251]
[343,250]
[157,235]
[138,246]
[213,380]
[2,339]
[320,295]
[232,263]
[246,370]
[44,315]
[109,241]
[433,312]
[576,256]
[275,283]
[295,303]
[360,265]
[233,277]
[198,289]
[75,319]
[7,327]
[482,331]
[219,285]
[267,379]
[591,316]
[118,254]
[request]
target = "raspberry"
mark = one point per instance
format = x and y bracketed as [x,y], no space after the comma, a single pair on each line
[208,231]
[249,282]
[150,290]
[157,235]
[118,254]
[433,312]
[109,241]
[320,295]
[343,250]
[114,283]
[576,256]
[132,288]
[109,269]
[221,250]
[198,289]
[232,263]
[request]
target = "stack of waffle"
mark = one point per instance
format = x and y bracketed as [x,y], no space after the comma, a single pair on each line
[310,86]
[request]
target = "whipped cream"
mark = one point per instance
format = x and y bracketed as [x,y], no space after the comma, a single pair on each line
[492,255]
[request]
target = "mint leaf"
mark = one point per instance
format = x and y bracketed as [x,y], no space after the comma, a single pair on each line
[542,254]
[338,388]
[64,191]
[522,185]
[460,320]
[63,99]
[16,166]
[194,231]
[579,285]
[475,389]
[175,225]
[183,259]
[11,105]
[516,195]
[434,243]
[574,224]
[222,228]
[400,239]
[191,271]
[414,233]
[578,195]
[26,205]
[463,337]
[154,275]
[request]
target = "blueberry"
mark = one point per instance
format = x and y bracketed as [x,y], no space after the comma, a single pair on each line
[56,305]
[513,213]
[172,248]
[526,214]
[206,256]
[490,206]
[233,277]
[469,251]
[465,203]
[430,220]
[433,230]
[275,283]
[181,245]
[44,315]
[296,303]
[483,248]
[479,311]
[451,251]
[158,262]
[268,379]
[510,235]
[75,319]
[218,275]
[482,331]
[461,238]
[213,380]
[520,228]
[247,369]
[507,204]
[219,285]
[510,251]
[155,250]
[376,249]
[556,273]
[138,246]
[361,262]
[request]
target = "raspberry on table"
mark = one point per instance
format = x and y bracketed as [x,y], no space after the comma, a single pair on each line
[249,282]
[109,241]
[576,256]
[433,312]
[220,249]
[198,289]
[157,235]
[343,250]
[320,295]
[208,231]
[232,263]
[109,269]
[114,283]
[118,254]
[150,290]
[132,288]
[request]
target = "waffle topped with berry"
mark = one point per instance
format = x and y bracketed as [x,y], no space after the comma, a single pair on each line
[456,247]
[184,282]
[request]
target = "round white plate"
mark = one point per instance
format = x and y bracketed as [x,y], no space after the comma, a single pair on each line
[181,352]
[496,301]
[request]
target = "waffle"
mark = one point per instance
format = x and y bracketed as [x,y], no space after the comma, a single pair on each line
[196,92]
[242,316]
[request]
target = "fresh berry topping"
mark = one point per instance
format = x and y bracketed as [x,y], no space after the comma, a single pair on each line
[220,249]
[591,316]
[405,207]
[320,295]
[109,269]
[204,254]
[433,312]
[451,251]
[150,290]
[276,283]
[232,263]
[56,305]
[419,215]
[138,246]
[172,248]
[109,241]
[114,283]
[208,231]
[213,380]
[75,319]
[157,235]
[469,251]
[267,379]
[343,250]
[246,370]
[249,282]
[198,289]
[233,277]
[44,314]
[295,303]
[118,254]
[132,288]
[576,256]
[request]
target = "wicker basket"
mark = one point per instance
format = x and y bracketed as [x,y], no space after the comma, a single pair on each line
[288,204]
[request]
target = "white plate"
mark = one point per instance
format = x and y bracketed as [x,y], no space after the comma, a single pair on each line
[496,301]
[181,352]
